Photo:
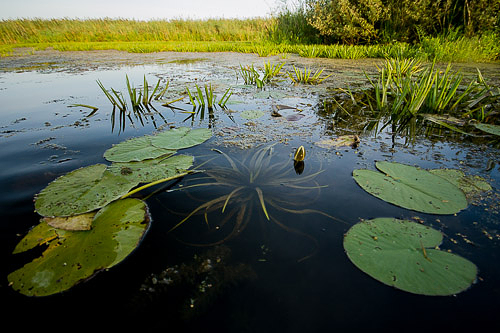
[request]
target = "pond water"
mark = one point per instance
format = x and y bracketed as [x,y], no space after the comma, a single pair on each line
[255,281]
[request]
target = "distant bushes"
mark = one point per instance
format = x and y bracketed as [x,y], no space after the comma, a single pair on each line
[375,21]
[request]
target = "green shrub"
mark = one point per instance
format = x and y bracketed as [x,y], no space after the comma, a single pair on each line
[346,21]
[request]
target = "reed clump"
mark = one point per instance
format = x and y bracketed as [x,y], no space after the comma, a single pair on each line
[405,88]
[124,30]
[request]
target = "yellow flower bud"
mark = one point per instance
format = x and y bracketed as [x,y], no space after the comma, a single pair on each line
[300,154]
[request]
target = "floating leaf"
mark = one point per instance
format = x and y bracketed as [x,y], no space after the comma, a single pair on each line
[136,149]
[488,128]
[77,222]
[81,191]
[341,141]
[470,185]
[182,137]
[251,114]
[74,256]
[403,254]
[149,171]
[412,188]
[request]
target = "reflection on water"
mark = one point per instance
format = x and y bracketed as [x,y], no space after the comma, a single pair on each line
[253,282]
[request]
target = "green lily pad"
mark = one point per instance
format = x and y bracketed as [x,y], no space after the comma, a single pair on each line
[136,149]
[81,191]
[488,128]
[72,257]
[251,114]
[180,138]
[470,185]
[412,188]
[404,254]
[149,171]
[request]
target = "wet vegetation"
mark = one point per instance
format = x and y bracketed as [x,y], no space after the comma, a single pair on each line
[443,30]
[406,93]
[94,217]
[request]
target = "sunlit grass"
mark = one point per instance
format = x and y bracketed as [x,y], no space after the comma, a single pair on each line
[405,89]
[111,30]
[220,35]
[306,76]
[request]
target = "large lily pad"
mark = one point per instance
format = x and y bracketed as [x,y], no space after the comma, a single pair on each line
[472,186]
[403,254]
[180,138]
[136,149]
[74,256]
[149,171]
[81,191]
[412,188]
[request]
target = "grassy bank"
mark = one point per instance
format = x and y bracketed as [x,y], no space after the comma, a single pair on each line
[221,35]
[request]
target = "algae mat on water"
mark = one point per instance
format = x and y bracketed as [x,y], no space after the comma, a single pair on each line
[404,254]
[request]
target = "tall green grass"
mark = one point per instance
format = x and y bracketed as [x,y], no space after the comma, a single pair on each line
[113,30]
[405,89]
[223,35]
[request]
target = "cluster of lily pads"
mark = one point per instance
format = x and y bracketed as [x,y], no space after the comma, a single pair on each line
[88,220]
[403,253]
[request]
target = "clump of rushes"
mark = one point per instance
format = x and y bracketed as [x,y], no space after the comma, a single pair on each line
[272,70]
[404,90]
[139,98]
[209,99]
[306,76]
[252,76]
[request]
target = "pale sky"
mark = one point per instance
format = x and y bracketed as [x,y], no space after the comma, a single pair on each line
[136,9]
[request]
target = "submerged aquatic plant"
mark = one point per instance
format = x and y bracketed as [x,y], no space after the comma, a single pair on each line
[255,181]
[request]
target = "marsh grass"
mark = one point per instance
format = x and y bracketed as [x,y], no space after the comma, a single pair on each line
[139,104]
[223,35]
[306,76]
[405,89]
[209,99]
[260,77]
[123,30]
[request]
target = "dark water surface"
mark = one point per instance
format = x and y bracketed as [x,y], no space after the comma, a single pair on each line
[252,282]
